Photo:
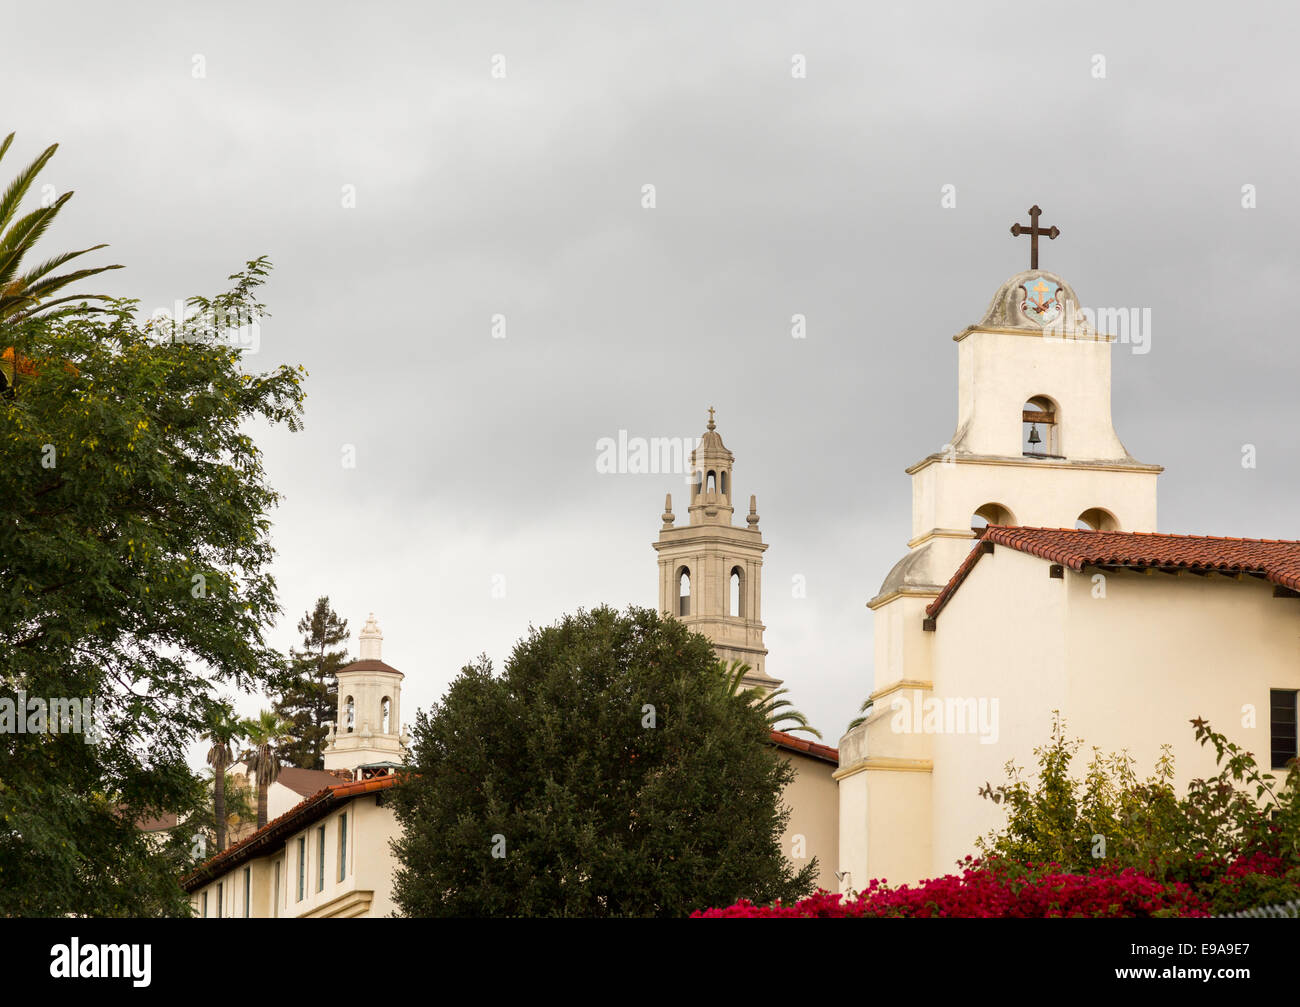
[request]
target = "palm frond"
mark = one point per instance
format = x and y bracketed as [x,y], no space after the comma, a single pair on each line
[13,195]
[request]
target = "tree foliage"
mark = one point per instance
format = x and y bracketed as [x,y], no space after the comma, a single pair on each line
[24,293]
[308,699]
[267,735]
[1233,838]
[609,771]
[134,520]
[778,711]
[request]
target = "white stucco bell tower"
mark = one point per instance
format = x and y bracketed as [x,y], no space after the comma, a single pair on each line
[368,728]
[1034,446]
[711,571]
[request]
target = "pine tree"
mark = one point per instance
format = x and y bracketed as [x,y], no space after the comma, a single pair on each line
[307,700]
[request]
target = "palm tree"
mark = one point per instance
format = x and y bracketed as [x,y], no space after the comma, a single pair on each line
[866,706]
[24,294]
[781,716]
[223,730]
[266,734]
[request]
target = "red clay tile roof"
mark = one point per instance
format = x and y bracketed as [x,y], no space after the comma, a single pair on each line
[370,664]
[274,832]
[824,752]
[1274,560]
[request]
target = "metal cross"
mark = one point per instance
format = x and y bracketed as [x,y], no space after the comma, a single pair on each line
[1033,230]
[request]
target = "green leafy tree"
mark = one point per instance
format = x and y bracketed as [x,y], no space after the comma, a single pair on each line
[267,735]
[223,731]
[200,829]
[1234,837]
[608,772]
[134,521]
[24,294]
[780,713]
[308,699]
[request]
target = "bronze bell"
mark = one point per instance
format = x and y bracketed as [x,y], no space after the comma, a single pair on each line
[1033,434]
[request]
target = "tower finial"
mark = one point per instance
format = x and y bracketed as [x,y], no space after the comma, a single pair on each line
[711,426]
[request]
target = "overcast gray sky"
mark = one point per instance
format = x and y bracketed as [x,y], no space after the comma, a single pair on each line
[478,195]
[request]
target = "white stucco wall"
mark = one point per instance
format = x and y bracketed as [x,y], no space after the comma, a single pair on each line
[1129,670]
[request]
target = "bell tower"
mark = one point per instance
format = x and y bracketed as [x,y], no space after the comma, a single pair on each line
[368,729]
[710,571]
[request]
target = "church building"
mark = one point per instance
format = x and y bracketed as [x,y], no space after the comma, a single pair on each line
[1035,581]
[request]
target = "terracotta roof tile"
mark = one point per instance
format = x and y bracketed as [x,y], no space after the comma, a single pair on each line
[1275,560]
[789,741]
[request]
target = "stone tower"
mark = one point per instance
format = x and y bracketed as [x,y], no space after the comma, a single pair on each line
[710,571]
[368,729]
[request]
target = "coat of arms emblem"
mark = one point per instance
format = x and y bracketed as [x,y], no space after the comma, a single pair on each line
[1041,302]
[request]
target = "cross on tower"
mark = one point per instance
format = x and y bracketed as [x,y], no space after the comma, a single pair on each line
[1033,230]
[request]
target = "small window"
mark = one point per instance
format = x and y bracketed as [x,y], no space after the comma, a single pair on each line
[385,714]
[220,894]
[275,892]
[349,714]
[724,483]
[320,858]
[683,591]
[302,867]
[713,482]
[343,846]
[248,890]
[736,599]
[1282,726]
[205,903]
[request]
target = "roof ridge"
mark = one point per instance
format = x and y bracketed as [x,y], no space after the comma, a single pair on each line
[1144,534]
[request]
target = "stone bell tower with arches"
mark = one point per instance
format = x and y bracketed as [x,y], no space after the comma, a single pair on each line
[368,729]
[710,571]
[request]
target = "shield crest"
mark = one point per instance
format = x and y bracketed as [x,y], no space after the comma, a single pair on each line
[1040,300]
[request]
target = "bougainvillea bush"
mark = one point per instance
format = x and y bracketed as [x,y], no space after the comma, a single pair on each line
[1106,845]
[993,890]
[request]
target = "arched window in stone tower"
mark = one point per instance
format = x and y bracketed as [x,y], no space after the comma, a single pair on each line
[683,591]
[712,486]
[991,513]
[736,600]
[349,714]
[1040,436]
[724,483]
[1097,519]
[385,715]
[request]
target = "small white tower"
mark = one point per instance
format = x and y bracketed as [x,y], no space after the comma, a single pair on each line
[368,729]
